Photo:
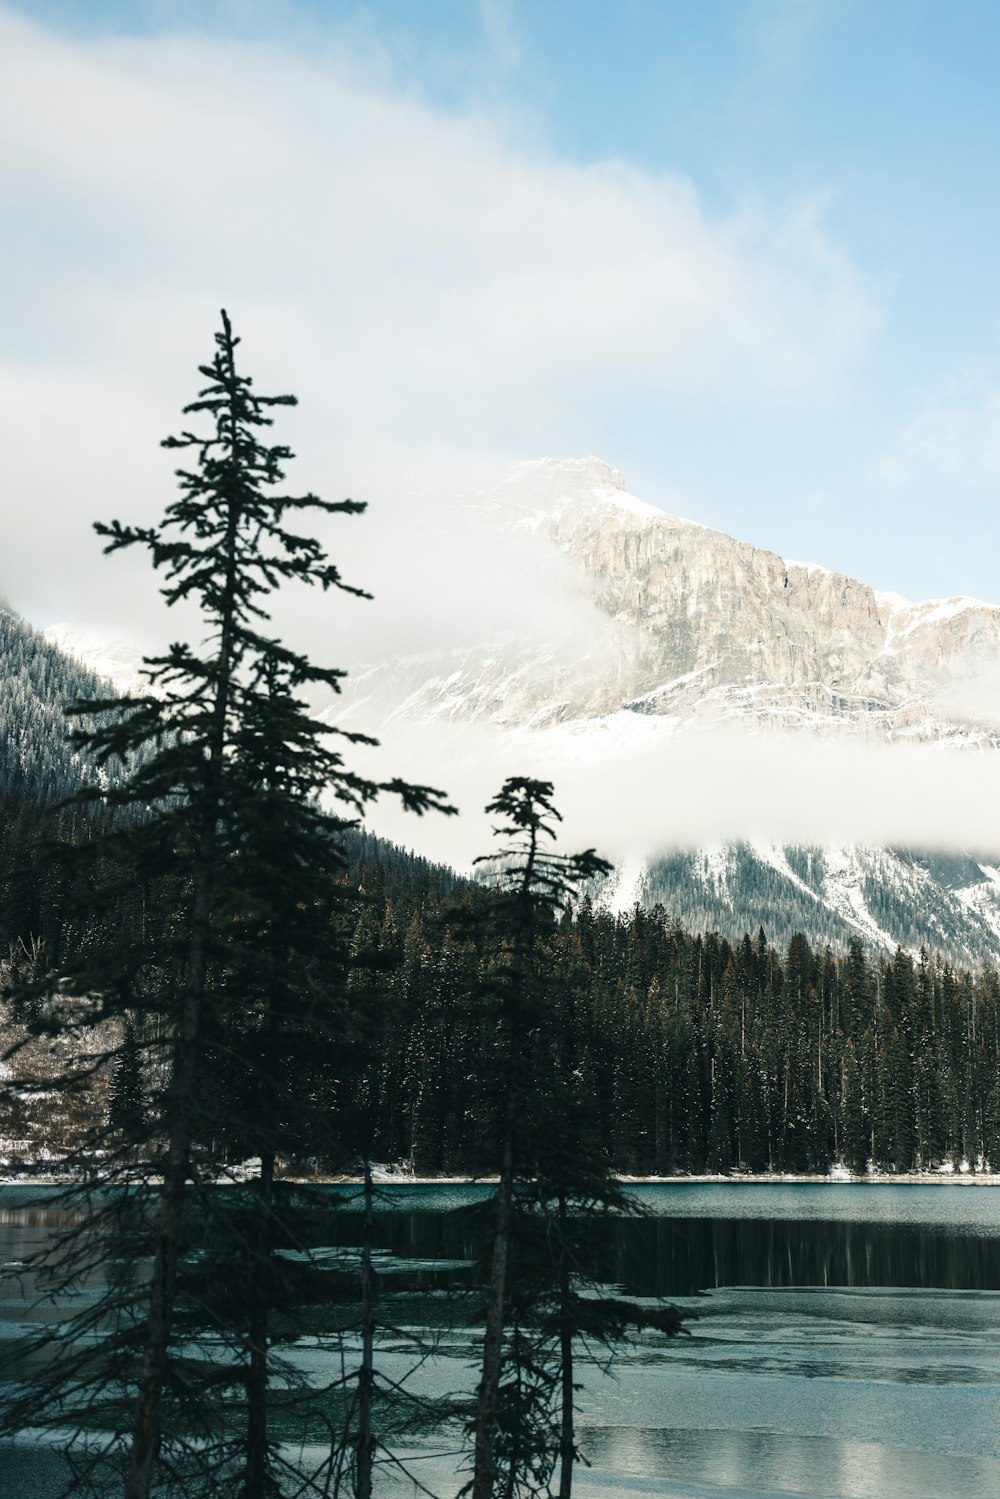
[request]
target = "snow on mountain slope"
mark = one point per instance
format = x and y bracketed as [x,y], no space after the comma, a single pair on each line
[693,630]
[117,661]
[697,626]
[676,631]
[833,893]
[625,888]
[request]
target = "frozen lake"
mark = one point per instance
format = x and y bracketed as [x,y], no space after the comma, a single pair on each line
[847,1341]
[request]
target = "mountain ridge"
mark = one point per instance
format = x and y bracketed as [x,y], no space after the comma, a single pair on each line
[696,630]
[690,623]
[677,629]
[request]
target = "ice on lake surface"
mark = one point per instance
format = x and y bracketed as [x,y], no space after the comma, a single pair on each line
[865,1394]
[951,1204]
[852,1385]
[813,1392]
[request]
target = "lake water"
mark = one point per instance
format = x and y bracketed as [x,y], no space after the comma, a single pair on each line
[847,1342]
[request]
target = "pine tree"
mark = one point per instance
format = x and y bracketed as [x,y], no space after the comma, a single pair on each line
[532,885]
[221,813]
[555,1183]
[126,1114]
[855,1134]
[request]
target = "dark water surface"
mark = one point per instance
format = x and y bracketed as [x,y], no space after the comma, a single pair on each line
[847,1344]
[697,1237]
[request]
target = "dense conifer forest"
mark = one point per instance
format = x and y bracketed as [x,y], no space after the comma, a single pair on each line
[701,1055]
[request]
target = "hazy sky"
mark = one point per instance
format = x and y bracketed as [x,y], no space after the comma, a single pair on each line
[745,252]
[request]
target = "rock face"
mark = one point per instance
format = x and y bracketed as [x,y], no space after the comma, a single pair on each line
[690,623]
[664,627]
[678,627]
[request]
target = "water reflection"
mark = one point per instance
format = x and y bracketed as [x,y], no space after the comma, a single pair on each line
[679,1256]
[834,1355]
[632,1459]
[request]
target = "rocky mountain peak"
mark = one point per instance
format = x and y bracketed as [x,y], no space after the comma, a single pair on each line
[671,627]
[691,624]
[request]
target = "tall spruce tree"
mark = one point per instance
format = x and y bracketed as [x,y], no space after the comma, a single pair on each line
[533,885]
[555,1186]
[233,803]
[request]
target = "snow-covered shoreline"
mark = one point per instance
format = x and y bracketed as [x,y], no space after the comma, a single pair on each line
[842,1178]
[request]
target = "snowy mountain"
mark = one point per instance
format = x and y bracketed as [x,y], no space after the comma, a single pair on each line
[664,632]
[885,897]
[691,624]
[689,630]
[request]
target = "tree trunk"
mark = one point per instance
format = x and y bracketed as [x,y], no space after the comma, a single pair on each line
[256,1472]
[146,1422]
[366,1378]
[567,1443]
[484,1470]
[184,1083]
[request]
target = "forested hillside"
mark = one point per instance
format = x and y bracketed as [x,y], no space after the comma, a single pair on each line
[703,1053]
[834,894]
[36,683]
[699,1054]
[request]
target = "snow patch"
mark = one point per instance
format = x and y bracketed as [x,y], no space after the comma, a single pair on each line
[893,602]
[627,889]
[712,867]
[667,687]
[117,661]
[596,738]
[622,500]
[842,888]
[935,612]
[983,899]
[774,855]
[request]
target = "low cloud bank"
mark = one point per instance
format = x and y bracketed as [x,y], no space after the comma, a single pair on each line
[662,789]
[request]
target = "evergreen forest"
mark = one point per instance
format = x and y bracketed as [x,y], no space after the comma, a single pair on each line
[701,1055]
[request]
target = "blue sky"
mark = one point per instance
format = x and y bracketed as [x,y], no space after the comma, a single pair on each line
[745,252]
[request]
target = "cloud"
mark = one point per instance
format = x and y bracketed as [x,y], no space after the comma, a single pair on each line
[784,35]
[957,440]
[500,33]
[971,692]
[445,570]
[643,794]
[427,282]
